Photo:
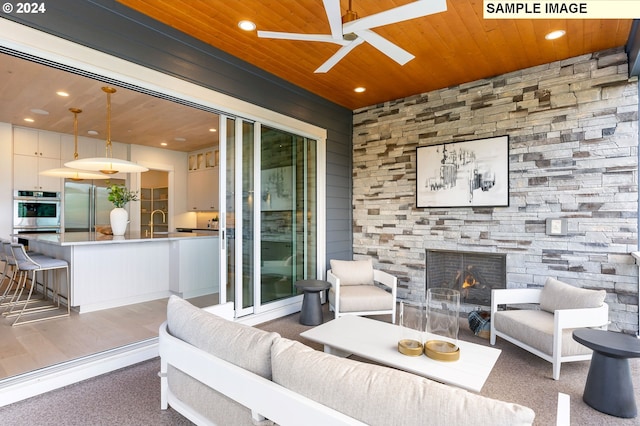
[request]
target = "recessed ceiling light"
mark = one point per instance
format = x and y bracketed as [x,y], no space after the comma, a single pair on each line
[164,144]
[246,25]
[29,120]
[179,139]
[213,130]
[61,93]
[359,89]
[555,34]
[92,133]
[39,111]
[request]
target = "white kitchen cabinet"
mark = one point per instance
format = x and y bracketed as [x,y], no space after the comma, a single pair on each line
[37,143]
[202,194]
[34,152]
[26,173]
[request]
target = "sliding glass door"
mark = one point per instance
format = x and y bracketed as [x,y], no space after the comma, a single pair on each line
[271,214]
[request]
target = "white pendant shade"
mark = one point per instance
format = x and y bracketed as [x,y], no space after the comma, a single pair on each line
[73,174]
[106,165]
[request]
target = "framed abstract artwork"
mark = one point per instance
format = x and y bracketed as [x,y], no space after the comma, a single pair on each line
[463,174]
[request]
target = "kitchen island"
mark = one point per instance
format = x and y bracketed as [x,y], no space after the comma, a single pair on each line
[110,271]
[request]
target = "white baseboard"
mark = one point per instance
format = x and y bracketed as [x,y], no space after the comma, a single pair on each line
[18,388]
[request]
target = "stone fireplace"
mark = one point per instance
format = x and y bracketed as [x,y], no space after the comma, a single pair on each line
[474,274]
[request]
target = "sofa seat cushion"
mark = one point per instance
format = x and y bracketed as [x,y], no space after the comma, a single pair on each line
[558,295]
[358,298]
[239,344]
[379,395]
[353,272]
[535,328]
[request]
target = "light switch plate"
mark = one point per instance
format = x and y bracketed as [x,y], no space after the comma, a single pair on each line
[556,226]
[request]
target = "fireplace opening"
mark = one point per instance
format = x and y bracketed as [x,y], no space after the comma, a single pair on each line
[474,274]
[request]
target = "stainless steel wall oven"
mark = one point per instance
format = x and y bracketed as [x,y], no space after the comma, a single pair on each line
[36,211]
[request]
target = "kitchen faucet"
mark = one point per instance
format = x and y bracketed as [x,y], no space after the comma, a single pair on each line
[164,219]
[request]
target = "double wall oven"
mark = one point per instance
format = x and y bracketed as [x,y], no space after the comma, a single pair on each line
[36,212]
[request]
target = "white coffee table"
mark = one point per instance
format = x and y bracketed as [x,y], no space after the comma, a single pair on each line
[378,341]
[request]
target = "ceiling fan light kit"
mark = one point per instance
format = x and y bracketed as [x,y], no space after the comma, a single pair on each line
[107,165]
[349,31]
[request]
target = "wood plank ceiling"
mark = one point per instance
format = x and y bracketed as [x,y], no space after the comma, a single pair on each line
[450,48]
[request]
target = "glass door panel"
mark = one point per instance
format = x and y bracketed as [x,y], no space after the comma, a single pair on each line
[247,225]
[287,212]
[227,220]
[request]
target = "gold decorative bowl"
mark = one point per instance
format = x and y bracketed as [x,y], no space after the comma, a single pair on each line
[441,350]
[105,230]
[410,347]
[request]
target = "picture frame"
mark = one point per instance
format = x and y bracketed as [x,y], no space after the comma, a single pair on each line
[463,174]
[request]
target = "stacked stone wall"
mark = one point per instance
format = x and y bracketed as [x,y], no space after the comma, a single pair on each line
[573,153]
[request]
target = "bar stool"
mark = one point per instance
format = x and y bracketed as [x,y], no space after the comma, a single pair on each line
[9,297]
[26,265]
[8,273]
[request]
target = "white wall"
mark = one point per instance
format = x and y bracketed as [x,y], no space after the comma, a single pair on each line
[6,180]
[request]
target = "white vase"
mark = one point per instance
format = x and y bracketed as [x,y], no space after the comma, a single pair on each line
[119,218]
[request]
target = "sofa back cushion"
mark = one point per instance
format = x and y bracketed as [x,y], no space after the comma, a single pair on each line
[353,272]
[558,295]
[378,395]
[239,344]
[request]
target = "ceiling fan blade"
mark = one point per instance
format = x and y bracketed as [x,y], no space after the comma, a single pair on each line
[303,37]
[408,11]
[392,50]
[332,7]
[341,53]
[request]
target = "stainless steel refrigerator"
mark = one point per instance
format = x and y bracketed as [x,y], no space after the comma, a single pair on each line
[86,204]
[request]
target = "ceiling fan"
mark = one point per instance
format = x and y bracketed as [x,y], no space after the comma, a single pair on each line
[349,32]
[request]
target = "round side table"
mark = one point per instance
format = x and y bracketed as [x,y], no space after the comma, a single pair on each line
[311,313]
[609,388]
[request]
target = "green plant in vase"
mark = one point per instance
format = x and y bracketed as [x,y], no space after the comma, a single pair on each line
[119,195]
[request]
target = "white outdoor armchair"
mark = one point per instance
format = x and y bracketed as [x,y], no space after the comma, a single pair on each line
[546,330]
[355,289]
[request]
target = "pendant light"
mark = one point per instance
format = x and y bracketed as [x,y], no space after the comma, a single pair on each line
[68,172]
[107,164]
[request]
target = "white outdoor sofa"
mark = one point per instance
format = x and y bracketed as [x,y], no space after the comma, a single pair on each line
[215,371]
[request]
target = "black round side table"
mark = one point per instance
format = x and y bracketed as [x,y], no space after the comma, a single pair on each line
[311,313]
[609,388]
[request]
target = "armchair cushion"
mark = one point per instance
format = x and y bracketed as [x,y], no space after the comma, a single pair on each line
[359,298]
[353,272]
[535,328]
[558,295]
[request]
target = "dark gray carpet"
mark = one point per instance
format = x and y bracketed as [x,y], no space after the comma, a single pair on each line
[131,396]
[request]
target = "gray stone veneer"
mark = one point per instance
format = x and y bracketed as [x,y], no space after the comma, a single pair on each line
[573,153]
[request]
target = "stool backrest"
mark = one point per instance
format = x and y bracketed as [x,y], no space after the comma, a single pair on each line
[8,254]
[22,258]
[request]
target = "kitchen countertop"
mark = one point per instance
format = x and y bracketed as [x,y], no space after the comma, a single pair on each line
[88,238]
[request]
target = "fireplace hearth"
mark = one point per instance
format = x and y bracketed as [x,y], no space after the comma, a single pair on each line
[474,274]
